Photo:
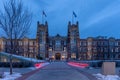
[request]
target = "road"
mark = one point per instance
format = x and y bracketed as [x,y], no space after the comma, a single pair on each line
[57,71]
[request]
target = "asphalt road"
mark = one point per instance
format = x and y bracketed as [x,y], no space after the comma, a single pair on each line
[58,71]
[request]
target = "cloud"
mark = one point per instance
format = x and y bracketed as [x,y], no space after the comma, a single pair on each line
[89,13]
[109,11]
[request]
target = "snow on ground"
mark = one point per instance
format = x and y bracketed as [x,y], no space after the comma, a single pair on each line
[108,77]
[22,57]
[7,76]
[46,63]
[15,75]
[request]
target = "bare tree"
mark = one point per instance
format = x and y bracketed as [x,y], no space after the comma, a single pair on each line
[15,21]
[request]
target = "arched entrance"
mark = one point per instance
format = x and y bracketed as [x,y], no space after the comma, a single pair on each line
[57,56]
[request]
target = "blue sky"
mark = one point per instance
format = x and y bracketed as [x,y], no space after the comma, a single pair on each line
[96,17]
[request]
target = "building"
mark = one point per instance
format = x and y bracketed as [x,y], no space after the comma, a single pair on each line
[64,47]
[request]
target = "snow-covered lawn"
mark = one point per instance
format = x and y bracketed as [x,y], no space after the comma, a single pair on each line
[22,57]
[15,75]
[108,77]
[7,76]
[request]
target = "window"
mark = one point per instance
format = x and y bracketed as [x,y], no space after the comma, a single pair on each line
[118,43]
[112,50]
[64,48]
[50,49]
[25,43]
[105,43]
[89,43]
[50,42]
[84,49]
[58,43]
[102,43]
[42,33]
[112,43]
[20,42]
[73,33]
[89,49]
[105,49]
[31,49]
[83,43]
[94,49]
[42,47]
[94,43]
[64,42]
[31,43]
[101,49]
[73,41]
[116,49]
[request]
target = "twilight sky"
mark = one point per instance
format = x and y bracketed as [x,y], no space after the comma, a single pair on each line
[96,17]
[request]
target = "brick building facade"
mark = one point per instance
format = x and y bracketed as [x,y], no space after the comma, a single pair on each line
[65,47]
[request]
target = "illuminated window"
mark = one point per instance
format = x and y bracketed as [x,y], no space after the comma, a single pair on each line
[73,55]
[50,49]
[64,48]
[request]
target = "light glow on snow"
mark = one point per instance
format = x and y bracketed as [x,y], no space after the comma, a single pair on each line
[76,64]
[39,65]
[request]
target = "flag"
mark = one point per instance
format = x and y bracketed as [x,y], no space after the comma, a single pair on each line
[44,14]
[74,14]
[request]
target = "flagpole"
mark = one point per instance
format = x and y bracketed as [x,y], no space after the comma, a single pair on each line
[42,18]
[72,19]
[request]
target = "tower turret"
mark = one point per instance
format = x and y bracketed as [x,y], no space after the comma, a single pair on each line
[73,40]
[42,39]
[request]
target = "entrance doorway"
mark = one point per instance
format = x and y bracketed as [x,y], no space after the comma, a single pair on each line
[57,56]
